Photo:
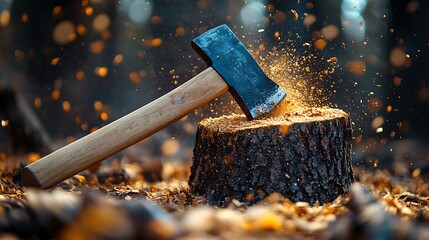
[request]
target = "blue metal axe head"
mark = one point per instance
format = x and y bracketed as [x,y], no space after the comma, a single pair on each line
[254,92]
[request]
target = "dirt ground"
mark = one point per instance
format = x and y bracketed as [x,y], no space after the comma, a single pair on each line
[129,200]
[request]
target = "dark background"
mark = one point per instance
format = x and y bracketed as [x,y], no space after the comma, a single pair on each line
[382,49]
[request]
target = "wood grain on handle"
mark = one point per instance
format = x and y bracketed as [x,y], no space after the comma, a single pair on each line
[124,132]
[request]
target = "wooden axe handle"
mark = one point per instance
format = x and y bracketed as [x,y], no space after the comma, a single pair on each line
[124,132]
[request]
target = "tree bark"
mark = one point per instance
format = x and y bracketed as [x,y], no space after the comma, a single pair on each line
[305,156]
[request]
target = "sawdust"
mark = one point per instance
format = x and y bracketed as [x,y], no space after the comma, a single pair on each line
[237,122]
[301,74]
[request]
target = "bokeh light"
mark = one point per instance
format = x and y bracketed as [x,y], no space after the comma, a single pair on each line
[64,32]
[352,18]
[101,22]
[138,11]
[253,13]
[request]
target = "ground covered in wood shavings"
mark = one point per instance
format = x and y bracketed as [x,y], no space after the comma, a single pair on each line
[116,202]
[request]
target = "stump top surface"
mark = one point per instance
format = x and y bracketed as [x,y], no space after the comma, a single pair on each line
[237,122]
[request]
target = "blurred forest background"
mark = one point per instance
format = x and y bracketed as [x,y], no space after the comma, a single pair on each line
[74,66]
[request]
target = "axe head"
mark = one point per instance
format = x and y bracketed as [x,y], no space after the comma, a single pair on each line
[251,88]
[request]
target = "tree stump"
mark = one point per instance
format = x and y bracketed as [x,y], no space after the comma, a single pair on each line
[305,156]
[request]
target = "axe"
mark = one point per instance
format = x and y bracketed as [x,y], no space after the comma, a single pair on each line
[231,68]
